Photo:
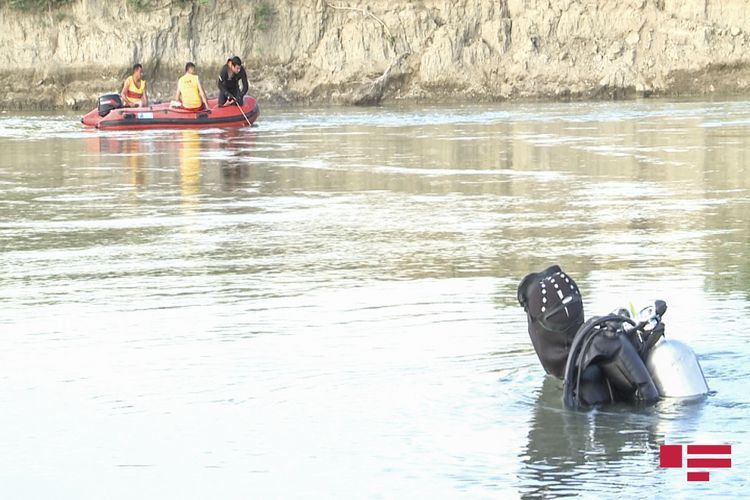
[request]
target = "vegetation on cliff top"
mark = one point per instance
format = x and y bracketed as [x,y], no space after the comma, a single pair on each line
[35,4]
[31,5]
[47,5]
[150,4]
[264,11]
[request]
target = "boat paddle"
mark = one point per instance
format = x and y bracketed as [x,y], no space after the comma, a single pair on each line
[243,113]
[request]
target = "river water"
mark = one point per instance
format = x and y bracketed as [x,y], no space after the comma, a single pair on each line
[324,305]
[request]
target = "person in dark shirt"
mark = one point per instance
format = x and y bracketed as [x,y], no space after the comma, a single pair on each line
[232,73]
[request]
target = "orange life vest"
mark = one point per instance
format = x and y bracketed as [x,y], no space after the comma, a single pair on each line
[134,94]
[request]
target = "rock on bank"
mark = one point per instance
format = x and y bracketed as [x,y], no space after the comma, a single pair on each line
[364,52]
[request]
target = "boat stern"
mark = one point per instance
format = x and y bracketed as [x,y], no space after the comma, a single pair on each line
[92,118]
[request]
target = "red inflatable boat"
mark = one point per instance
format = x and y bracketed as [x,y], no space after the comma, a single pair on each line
[109,116]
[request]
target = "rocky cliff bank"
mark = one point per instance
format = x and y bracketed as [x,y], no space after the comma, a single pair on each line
[366,52]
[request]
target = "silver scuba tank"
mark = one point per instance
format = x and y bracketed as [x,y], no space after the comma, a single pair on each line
[675,370]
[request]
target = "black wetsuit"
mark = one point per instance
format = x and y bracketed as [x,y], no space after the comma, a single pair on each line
[229,85]
[596,360]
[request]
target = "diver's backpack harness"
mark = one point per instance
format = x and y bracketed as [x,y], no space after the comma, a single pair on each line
[601,342]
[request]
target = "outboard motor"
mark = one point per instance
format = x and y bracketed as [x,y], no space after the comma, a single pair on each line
[108,102]
[608,358]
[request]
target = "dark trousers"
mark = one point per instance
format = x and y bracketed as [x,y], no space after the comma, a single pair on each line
[224,95]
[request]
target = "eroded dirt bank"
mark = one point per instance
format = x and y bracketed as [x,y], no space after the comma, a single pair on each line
[365,52]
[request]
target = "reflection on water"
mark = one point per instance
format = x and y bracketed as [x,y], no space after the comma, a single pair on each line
[569,452]
[190,164]
[329,298]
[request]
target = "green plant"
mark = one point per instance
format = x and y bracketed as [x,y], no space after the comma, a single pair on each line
[139,5]
[37,4]
[264,14]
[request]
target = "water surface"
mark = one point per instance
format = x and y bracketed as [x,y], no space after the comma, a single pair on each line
[324,305]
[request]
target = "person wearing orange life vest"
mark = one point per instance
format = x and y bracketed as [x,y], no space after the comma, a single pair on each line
[134,89]
[190,94]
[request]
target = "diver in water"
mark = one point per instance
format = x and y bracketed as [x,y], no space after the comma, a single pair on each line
[608,358]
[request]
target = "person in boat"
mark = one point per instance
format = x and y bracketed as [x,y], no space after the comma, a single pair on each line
[230,77]
[190,95]
[134,89]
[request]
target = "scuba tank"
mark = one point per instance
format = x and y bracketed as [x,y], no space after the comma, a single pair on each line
[675,370]
[673,365]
